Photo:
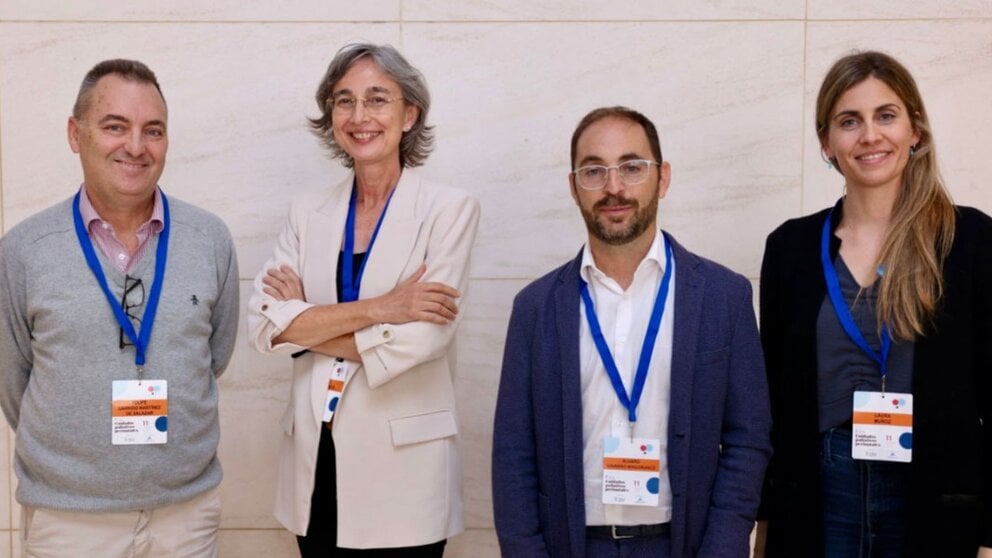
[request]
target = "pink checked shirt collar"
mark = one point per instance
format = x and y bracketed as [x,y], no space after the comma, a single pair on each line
[103,235]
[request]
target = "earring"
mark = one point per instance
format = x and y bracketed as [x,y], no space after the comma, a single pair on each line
[912,150]
[830,161]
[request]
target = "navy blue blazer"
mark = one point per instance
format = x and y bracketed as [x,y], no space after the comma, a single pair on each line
[719,418]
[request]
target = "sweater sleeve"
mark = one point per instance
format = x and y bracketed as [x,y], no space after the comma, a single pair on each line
[224,318]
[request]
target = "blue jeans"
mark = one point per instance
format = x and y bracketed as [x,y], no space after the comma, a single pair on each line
[864,502]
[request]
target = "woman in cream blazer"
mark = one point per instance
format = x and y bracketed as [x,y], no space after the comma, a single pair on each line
[394,431]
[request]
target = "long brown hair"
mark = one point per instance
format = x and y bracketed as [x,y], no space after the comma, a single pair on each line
[922,223]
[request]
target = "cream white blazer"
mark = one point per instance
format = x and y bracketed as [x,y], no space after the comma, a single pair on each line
[399,479]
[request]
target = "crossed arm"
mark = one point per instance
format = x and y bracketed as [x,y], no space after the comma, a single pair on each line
[329,329]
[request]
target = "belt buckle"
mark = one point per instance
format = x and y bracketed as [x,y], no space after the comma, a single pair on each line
[615,536]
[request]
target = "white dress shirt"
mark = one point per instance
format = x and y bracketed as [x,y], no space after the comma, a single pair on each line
[623,317]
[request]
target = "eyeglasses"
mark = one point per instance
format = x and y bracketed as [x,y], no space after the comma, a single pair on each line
[345,104]
[595,177]
[135,289]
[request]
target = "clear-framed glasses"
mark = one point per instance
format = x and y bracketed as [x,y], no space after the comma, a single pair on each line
[631,173]
[374,104]
[133,297]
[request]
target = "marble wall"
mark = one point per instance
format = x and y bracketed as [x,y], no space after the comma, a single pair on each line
[729,83]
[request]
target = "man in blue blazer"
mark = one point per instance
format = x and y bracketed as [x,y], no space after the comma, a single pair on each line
[633,415]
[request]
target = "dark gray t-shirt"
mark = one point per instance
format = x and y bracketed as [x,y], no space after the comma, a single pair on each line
[842,367]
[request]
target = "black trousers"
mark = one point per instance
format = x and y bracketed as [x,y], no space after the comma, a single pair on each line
[322,533]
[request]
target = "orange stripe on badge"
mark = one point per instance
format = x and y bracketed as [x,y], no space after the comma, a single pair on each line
[882,419]
[631,464]
[140,408]
[336,385]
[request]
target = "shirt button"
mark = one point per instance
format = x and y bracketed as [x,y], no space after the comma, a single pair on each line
[121,257]
[386,334]
[265,307]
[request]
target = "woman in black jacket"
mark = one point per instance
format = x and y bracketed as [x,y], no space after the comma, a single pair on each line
[885,299]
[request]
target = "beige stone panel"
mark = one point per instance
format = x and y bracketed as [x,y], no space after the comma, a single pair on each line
[600,10]
[257,543]
[727,99]
[755,298]
[254,392]
[952,64]
[479,358]
[473,543]
[896,9]
[194,10]
[239,96]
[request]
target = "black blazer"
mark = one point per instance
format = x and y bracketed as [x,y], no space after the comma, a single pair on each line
[951,472]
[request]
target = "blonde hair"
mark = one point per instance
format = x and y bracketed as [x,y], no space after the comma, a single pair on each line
[922,223]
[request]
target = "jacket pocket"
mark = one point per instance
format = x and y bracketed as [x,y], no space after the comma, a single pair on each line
[423,428]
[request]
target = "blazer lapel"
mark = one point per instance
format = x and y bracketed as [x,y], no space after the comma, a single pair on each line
[322,244]
[387,263]
[567,324]
[689,283]
[318,266]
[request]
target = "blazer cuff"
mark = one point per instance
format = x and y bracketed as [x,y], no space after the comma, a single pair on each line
[281,313]
[367,340]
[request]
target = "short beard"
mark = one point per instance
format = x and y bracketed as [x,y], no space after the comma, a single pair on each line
[643,219]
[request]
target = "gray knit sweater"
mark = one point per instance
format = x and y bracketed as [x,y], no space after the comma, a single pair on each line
[60,352]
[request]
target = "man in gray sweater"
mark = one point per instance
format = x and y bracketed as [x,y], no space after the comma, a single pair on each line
[116,422]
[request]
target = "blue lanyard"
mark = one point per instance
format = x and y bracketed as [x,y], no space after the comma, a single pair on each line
[139,340]
[654,324]
[842,311]
[351,283]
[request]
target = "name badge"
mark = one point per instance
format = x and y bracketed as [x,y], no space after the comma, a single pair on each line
[335,388]
[631,471]
[139,412]
[882,426]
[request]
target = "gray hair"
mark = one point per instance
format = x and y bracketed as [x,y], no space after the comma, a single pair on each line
[417,143]
[131,70]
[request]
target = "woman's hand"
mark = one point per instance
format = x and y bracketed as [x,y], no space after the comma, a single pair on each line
[412,301]
[283,284]
[984,552]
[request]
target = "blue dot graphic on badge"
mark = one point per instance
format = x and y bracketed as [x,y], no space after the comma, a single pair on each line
[906,440]
[860,399]
[611,443]
[653,485]
[333,404]
[162,424]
